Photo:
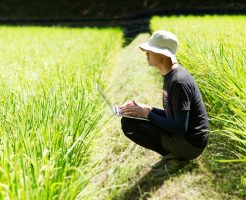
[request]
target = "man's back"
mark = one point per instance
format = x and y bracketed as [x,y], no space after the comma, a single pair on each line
[182,93]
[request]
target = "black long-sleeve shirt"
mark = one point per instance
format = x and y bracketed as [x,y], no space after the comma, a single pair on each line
[184,111]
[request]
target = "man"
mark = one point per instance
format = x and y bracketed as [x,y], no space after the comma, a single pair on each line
[179,132]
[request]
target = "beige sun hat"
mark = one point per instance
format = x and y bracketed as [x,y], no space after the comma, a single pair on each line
[163,42]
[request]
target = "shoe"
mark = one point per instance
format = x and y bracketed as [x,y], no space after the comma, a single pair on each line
[162,161]
[170,166]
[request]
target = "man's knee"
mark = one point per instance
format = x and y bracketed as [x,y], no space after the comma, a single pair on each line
[127,125]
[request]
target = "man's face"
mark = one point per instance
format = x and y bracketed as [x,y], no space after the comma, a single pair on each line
[154,59]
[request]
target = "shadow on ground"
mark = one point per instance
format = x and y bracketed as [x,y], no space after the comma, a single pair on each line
[149,183]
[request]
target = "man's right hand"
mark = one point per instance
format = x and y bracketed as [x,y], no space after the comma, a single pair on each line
[147,107]
[126,104]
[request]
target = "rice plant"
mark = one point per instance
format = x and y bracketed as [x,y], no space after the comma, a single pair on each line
[49,111]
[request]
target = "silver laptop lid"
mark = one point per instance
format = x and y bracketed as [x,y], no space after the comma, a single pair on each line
[114,109]
[105,97]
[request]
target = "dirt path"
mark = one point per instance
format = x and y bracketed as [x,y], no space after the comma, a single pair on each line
[124,167]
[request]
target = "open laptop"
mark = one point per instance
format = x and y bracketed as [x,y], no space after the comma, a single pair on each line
[114,109]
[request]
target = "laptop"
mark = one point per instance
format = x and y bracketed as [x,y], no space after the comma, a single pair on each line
[115,109]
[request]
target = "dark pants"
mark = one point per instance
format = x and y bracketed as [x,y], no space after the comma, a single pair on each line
[150,136]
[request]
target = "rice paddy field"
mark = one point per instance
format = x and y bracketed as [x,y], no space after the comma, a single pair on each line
[51,115]
[213,49]
[49,110]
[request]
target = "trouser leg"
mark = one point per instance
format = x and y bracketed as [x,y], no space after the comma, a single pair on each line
[179,147]
[150,136]
[144,134]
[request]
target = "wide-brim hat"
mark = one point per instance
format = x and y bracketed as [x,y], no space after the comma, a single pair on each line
[162,42]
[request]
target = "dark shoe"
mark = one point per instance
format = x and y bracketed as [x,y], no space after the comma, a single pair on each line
[162,161]
[171,166]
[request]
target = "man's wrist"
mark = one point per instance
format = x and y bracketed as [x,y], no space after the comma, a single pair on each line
[147,114]
[149,108]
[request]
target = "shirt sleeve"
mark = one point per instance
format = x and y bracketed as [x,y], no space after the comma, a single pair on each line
[177,125]
[159,111]
[181,97]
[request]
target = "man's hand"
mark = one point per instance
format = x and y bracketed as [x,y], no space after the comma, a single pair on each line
[126,104]
[135,109]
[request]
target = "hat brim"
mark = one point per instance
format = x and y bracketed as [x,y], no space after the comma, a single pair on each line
[146,46]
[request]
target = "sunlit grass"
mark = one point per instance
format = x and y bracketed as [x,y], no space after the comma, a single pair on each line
[48,110]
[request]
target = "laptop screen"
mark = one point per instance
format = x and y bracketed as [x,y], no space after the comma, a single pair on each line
[104,96]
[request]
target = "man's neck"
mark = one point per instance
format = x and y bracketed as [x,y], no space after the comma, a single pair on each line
[165,70]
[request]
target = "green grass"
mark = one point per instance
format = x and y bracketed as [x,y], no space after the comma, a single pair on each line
[49,110]
[213,49]
[124,169]
[52,143]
